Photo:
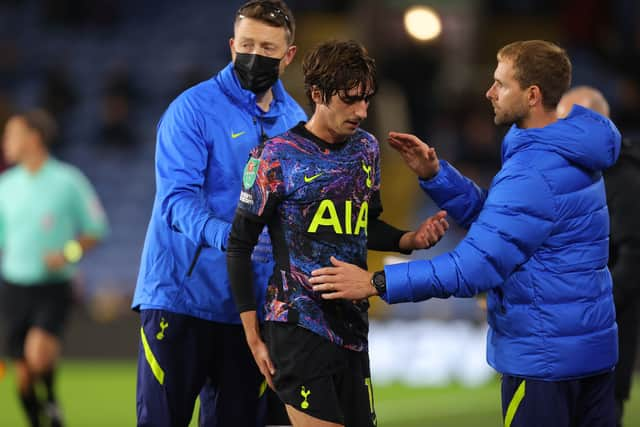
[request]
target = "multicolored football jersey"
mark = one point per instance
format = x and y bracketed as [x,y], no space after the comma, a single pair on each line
[317,200]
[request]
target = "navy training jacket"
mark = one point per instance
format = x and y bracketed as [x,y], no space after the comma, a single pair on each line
[203,143]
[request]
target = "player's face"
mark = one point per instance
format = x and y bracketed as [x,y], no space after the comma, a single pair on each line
[253,36]
[15,140]
[344,117]
[509,100]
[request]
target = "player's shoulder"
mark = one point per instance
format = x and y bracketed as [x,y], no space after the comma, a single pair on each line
[282,143]
[366,141]
[203,97]
[365,137]
[66,172]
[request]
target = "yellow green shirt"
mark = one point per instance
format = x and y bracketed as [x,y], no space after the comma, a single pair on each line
[39,213]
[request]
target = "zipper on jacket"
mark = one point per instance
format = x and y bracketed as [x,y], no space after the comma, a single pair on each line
[263,135]
[194,261]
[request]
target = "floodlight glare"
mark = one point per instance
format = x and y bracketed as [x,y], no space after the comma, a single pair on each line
[422,23]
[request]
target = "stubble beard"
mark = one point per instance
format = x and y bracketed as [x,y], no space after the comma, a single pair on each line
[508,118]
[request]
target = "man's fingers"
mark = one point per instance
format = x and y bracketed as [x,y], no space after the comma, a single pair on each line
[442,226]
[270,383]
[404,136]
[323,287]
[328,278]
[394,143]
[269,366]
[335,261]
[324,271]
[268,377]
[407,138]
[333,295]
[400,147]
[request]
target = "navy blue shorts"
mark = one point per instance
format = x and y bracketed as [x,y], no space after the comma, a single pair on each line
[576,403]
[181,357]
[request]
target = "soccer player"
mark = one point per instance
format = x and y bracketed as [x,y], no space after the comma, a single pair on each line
[191,335]
[537,243]
[49,216]
[623,185]
[317,188]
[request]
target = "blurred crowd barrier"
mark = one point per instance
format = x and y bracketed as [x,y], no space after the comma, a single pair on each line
[429,353]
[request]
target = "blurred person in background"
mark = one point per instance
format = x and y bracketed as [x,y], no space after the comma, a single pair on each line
[317,188]
[623,186]
[119,98]
[49,217]
[191,338]
[537,243]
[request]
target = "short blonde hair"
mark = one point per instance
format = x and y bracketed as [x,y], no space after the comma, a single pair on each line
[540,63]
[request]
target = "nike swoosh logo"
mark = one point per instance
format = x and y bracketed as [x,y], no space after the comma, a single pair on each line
[308,179]
[235,135]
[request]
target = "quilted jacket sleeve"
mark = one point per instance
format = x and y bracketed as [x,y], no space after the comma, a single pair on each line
[455,193]
[517,217]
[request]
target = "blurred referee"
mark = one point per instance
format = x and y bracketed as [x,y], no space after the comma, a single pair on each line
[49,217]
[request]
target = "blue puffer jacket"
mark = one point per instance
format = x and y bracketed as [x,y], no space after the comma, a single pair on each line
[538,243]
[203,144]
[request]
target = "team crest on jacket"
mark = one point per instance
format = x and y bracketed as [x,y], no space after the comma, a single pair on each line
[250,173]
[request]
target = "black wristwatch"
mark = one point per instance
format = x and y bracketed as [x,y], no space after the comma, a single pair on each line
[379,281]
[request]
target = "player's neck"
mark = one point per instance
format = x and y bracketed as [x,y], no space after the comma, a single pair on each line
[319,128]
[264,100]
[34,162]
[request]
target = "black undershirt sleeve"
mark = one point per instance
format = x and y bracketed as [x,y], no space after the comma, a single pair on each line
[380,235]
[245,232]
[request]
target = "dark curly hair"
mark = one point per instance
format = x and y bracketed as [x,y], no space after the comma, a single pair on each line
[335,67]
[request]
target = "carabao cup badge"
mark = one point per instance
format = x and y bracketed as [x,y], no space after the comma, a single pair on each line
[250,173]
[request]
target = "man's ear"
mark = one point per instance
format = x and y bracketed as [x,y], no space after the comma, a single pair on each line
[290,54]
[316,95]
[534,96]
[232,49]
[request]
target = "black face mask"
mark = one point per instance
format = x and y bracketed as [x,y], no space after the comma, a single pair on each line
[255,72]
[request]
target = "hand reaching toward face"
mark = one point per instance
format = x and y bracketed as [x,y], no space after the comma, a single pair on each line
[419,157]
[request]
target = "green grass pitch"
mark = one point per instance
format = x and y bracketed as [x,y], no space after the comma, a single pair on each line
[101,394]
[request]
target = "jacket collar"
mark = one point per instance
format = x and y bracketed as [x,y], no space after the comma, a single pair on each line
[584,137]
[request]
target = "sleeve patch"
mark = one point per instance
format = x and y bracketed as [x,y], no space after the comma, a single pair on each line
[250,173]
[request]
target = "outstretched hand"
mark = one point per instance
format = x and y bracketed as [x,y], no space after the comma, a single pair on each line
[343,280]
[428,234]
[419,157]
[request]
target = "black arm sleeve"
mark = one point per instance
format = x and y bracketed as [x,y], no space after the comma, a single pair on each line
[380,235]
[243,238]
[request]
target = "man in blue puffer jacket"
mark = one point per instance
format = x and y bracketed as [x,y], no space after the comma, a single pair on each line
[191,334]
[537,242]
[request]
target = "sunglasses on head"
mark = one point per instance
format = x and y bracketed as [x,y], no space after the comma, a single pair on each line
[272,11]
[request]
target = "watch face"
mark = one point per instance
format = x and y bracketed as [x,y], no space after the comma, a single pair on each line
[378,279]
